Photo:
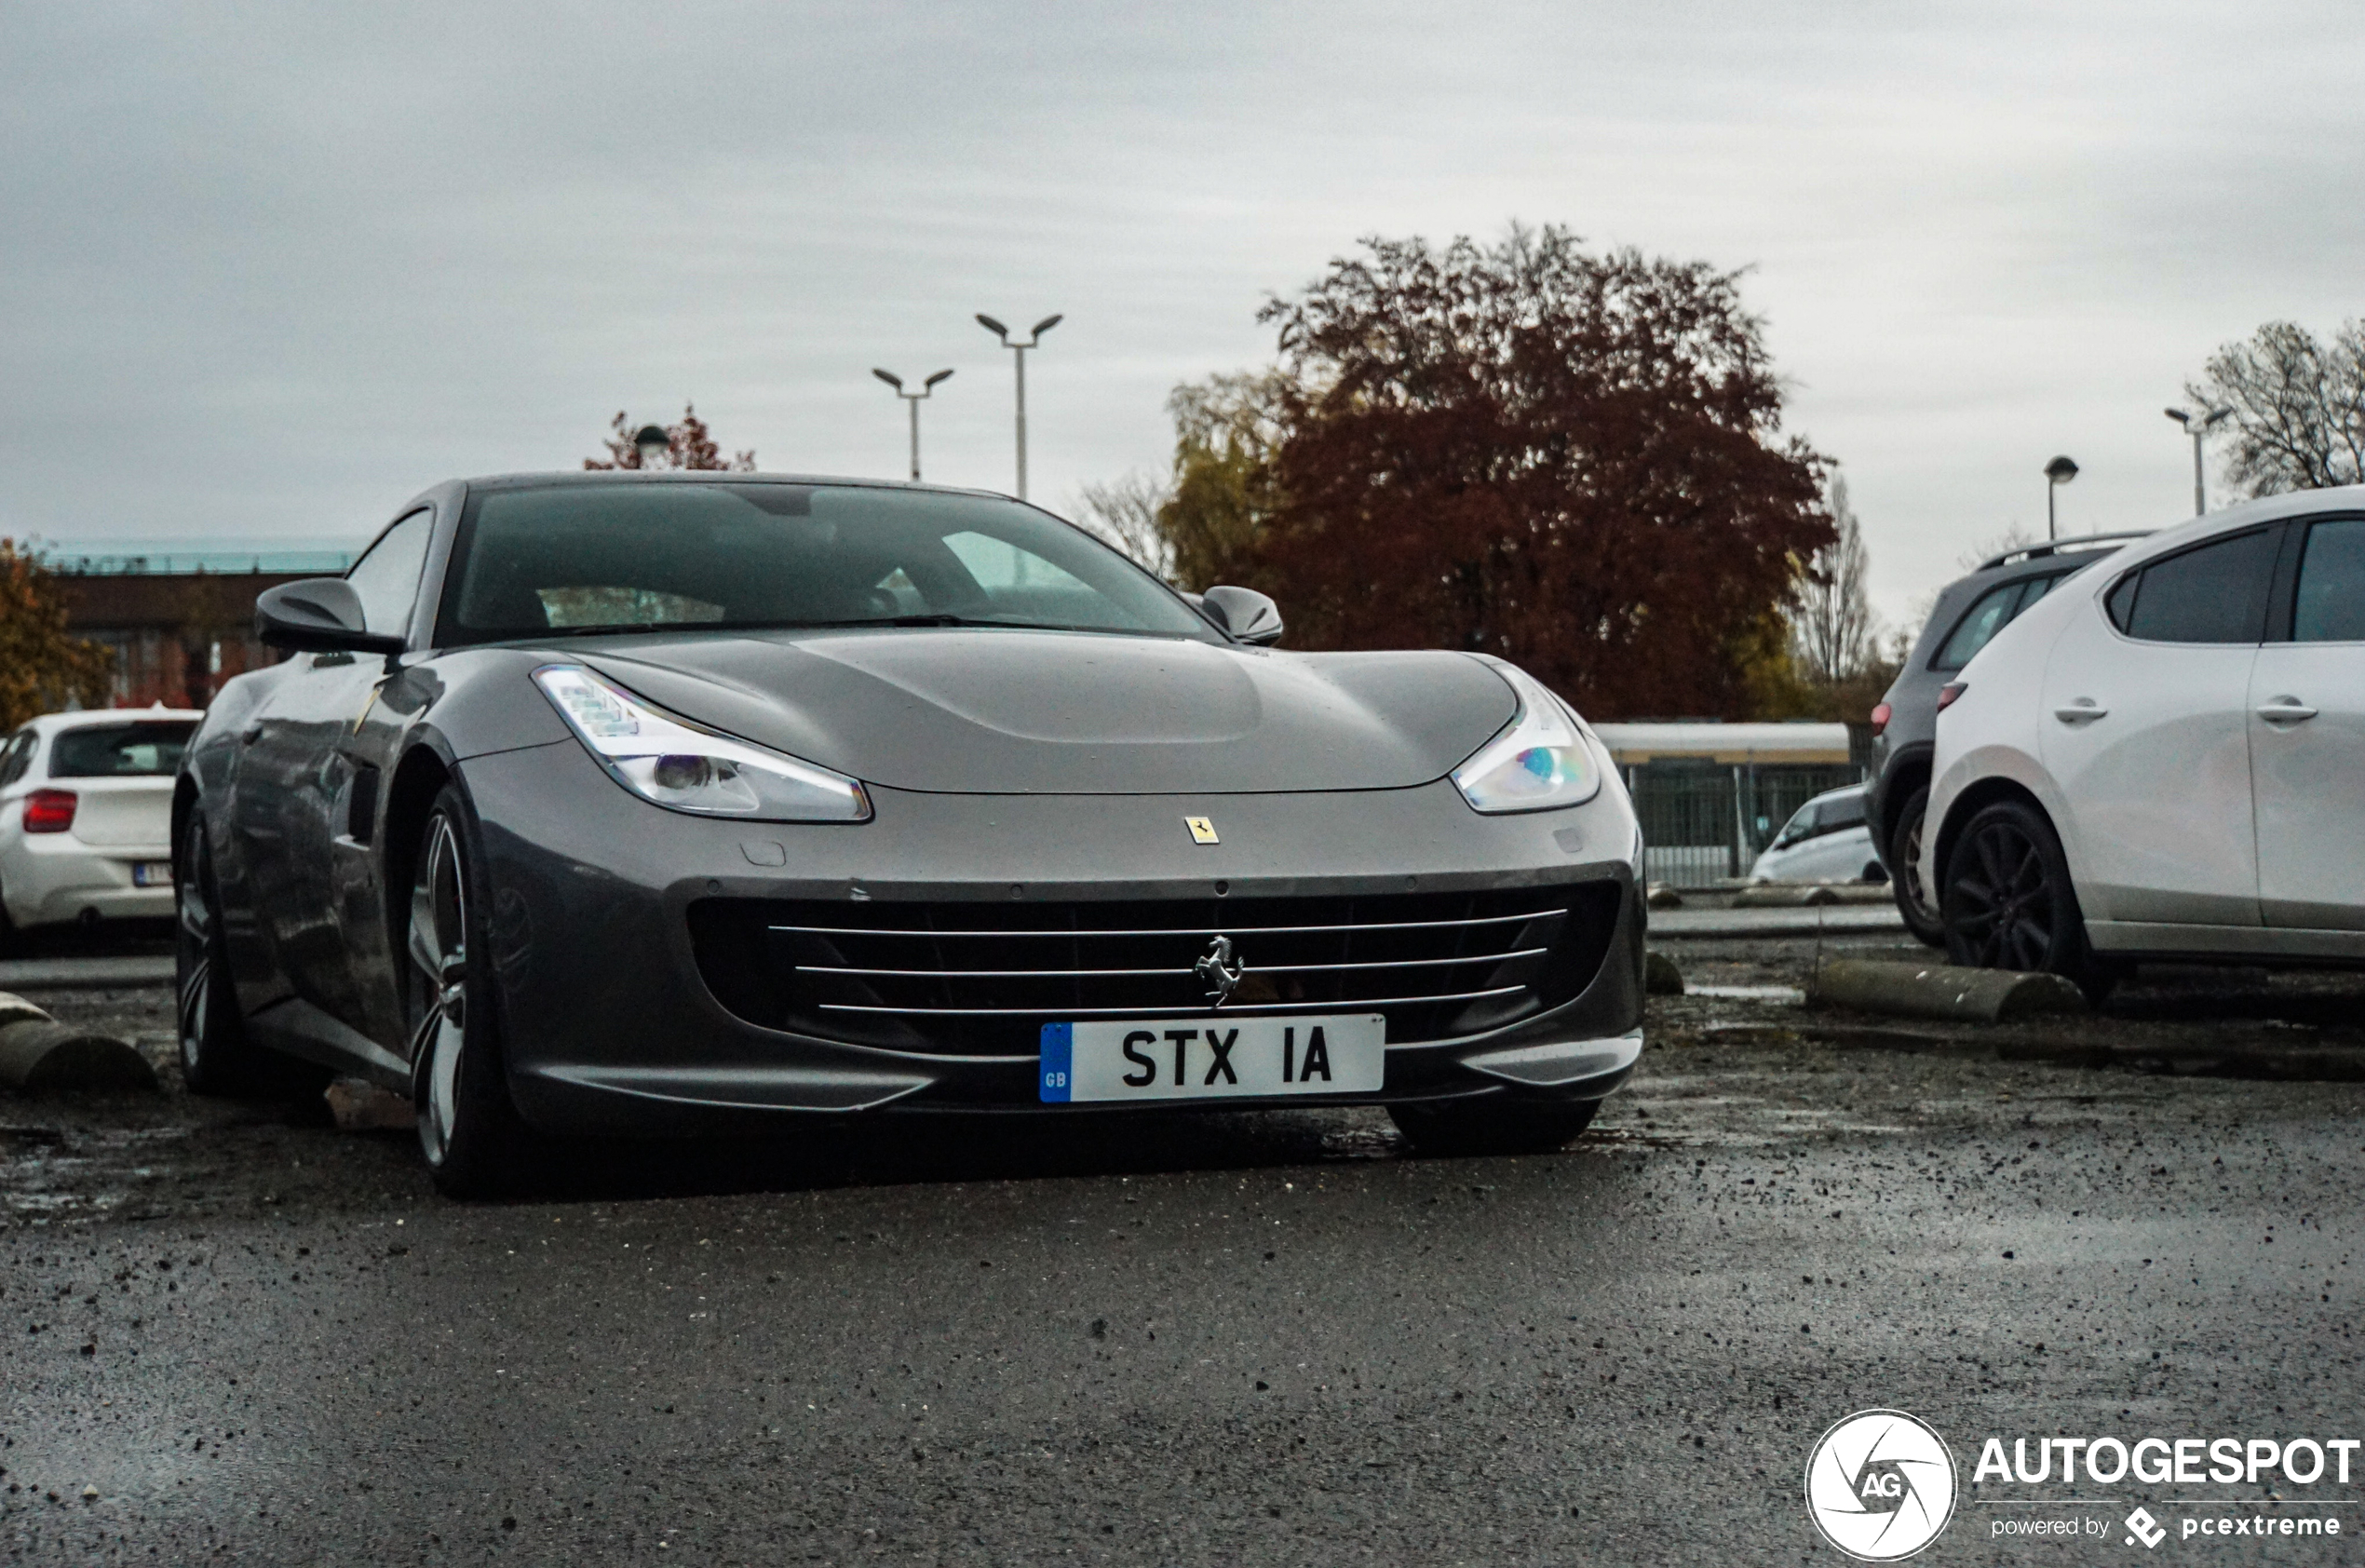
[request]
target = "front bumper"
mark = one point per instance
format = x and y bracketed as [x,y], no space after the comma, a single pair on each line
[610,1028]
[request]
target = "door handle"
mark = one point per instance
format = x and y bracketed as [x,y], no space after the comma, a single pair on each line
[2081,712]
[2286,711]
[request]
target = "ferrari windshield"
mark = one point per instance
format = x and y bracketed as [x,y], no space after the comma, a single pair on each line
[619,556]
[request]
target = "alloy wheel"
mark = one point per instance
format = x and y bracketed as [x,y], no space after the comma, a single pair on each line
[193,933]
[2003,903]
[437,949]
[1909,875]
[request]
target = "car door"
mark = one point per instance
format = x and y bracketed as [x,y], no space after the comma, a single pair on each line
[2307,733]
[2145,729]
[297,776]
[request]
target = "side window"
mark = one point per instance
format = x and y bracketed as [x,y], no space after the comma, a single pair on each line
[2214,594]
[387,577]
[1983,620]
[17,756]
[2037,588]
[2331,585]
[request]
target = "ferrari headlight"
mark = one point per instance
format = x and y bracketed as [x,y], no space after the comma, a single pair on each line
[688,768]
[1540,762]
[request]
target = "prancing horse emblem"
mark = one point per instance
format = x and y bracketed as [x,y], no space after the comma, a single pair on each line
[1219,971]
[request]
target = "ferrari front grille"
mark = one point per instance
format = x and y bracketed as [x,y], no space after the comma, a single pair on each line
[979,977]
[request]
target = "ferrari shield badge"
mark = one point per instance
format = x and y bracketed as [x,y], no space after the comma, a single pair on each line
[1202,829]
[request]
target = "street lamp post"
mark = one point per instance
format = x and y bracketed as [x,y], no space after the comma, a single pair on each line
[2197,428]
[649,443]
[1035,337]
[928,390]
[2057,473]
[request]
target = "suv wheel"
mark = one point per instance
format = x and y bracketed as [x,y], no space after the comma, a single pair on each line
[2008,903]
[1913,901]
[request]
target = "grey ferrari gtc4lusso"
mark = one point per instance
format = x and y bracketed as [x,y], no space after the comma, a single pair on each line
[593,804]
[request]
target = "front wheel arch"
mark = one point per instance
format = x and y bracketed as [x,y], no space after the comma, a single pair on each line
[1975,799]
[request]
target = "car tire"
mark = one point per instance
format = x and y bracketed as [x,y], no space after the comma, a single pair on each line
[1492,1125]
[1913,902]
[469,1129]
[2008,903]
[216,1056]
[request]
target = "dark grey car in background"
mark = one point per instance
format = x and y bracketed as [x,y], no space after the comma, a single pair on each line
[1969,612]
[606,803]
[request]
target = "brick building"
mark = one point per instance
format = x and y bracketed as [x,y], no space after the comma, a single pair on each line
[180,625]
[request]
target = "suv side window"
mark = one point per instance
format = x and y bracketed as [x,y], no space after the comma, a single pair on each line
[2331,607]
[1996,609]
[386,577]
[2216,594]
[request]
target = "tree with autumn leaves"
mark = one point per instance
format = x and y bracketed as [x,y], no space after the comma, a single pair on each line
[42,667]
[689,444]
[1573,460]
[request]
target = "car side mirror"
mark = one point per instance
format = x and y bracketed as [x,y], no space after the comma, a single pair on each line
[320,614]
[1245,613]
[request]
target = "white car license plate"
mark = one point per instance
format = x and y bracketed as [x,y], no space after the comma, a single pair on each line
[152,874]
[1208,1058]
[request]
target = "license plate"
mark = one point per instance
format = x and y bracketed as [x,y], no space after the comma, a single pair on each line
[1224,1059]
[152,874]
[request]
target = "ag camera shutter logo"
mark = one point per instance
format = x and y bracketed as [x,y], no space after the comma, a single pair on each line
[1880,1485]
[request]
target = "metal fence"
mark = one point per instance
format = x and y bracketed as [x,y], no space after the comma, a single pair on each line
[1706,825]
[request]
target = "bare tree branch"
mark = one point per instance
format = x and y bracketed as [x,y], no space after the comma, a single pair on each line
[1125,512]
[1834,634]
[2298,408]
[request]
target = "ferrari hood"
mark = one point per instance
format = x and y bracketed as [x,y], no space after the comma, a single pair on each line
[1049,713]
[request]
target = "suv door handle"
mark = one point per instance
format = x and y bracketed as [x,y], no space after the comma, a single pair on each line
[2286,711]
[2083,712]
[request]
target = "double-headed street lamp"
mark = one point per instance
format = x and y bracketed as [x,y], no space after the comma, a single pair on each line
[1035,336]
[2197,427]
[2057,473]
[928,390]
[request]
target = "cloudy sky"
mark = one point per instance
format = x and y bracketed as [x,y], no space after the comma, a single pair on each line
[266,271]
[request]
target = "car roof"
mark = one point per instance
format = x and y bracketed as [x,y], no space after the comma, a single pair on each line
[707,476]
[50,723]
[2055,547]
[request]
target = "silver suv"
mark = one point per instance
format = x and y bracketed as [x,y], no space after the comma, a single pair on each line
[1969,612]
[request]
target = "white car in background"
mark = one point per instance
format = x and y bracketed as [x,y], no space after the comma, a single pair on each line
[1826,840]
[86,815]
[2165,758]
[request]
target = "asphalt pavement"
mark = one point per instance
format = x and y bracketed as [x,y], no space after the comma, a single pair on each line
[236,1332]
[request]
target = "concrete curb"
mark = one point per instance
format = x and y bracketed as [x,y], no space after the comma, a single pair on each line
[1940,990]
[2297,1064]
[16,1009]
[86,973]
[1818,921]
[42,1057]
[1809,895]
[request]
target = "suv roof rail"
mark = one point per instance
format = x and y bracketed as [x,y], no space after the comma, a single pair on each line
[2056,546]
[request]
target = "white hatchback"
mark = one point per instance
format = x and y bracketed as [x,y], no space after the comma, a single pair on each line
[1826,842]
[2166,757]
[86,815]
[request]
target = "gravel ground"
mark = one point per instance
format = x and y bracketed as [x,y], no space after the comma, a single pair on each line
[1228,1338]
